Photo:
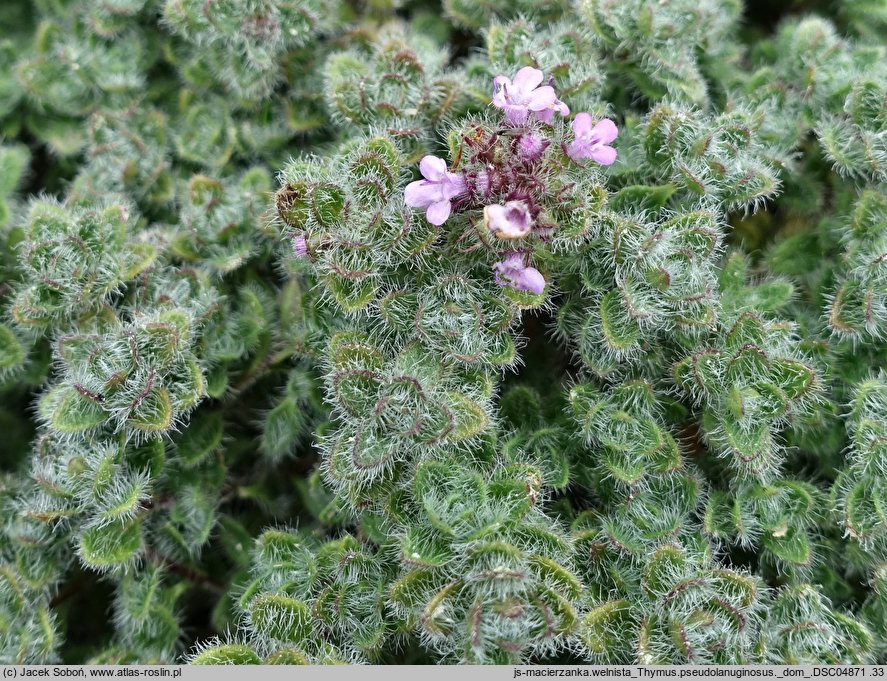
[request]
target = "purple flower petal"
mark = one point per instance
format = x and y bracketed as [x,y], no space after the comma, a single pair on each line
[435,191]
[453,186]
[438,212]
[530,279]
[576,151]
[421,194]
[541,98]
[604,155]
[300,246]
[591,142]
[501,86]
[527,78]
[433,168]
[546,115]
[515,259]
[514,273]
[516,114]
[523,95]
[581,124]
[605,131]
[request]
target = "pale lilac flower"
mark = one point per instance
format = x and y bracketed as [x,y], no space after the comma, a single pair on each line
[511,221]
[514,273]
[436,191]
[592,141]
[300,246]
[547,114]
[531,147]
[524,94]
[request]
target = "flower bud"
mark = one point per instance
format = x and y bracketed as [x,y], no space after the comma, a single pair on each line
[531,147]
[514,273]
[300,246]
[511,221]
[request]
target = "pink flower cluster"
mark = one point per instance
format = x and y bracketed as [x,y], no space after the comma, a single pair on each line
[519,98]
[526,94]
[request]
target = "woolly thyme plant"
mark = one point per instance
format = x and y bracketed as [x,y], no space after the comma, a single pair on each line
[547,332]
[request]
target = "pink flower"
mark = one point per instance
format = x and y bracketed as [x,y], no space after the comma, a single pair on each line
[547,114]
[436,191]
[511,221]
[514,273]
[523,95]
[300,246]
[591,142]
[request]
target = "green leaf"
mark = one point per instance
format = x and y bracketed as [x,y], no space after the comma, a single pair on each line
[604,628]
[201,438]
[718,518]
[795,379]
[525,300]
[327,203]
[285,424]
[12,352]
[865,508]
[153,413]
[293,202]
[557,576]
[14,160]
[282,618]
[663,567]
[111,546]
[624,467]
[642,197]
[69,411]
[798,255]
[229,654]
[139,257]
[357,390]
[752,447]
[287,656]
[150,456]
[352,295]
[423,549]
[160,344]
[790,545]
[470,417]
[217,382]
[620,331]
